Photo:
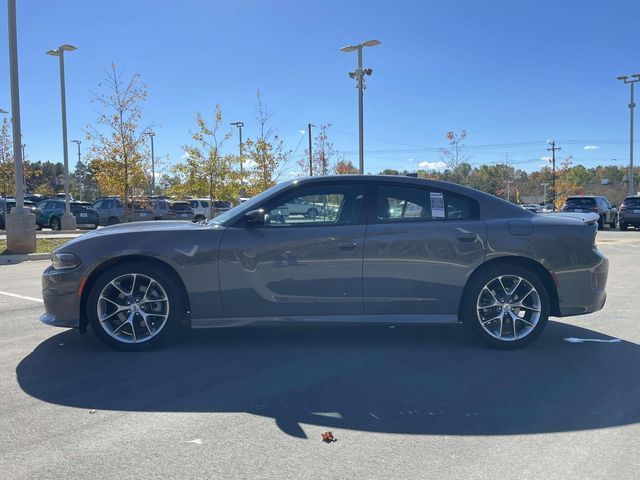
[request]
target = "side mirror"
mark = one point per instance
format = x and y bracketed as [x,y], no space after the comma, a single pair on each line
[255,217]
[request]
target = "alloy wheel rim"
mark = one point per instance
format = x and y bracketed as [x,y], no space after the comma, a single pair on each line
[133,308]
[508,307]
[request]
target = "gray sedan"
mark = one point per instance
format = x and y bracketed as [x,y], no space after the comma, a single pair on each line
[390,250]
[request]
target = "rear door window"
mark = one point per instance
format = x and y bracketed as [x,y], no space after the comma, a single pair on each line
[395,203]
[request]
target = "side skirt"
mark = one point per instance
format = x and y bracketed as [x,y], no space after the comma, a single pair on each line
[434,319]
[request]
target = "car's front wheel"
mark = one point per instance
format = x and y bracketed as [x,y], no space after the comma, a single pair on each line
[507,306]
[622,226]
[132,306]
[55,223]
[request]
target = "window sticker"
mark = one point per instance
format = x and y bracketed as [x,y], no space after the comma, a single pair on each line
[437,205]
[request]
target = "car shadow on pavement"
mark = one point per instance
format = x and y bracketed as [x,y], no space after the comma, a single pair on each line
[404,379]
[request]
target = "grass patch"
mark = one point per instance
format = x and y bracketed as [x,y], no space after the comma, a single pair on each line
[43,245]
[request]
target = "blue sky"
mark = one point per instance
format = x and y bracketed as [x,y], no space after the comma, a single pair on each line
[512,73]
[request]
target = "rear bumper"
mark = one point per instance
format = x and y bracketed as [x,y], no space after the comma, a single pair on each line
[630,218]
[582,291]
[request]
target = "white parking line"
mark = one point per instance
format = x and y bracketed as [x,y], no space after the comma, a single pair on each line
[24,297]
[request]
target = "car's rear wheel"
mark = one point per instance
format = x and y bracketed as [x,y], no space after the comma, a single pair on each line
[312,213]
[132,306]
[507,306]
[623,226]
[55,223]
[614,222]
[113,221]
[601,222]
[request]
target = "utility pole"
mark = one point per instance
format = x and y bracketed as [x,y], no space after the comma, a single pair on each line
[153,164]
[310,152]
[240,125]
[553,149]
[632,105]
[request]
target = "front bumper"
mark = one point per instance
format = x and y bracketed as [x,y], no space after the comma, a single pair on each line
[582,291]
[60,296]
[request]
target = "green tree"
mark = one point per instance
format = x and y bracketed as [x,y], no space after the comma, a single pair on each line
[116,154]
[6,161]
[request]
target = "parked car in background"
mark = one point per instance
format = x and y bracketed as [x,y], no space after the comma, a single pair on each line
[111,211]
[389,253]
[630,213]
[36,197]
[180,211]
[305,208]
[532,207]
[204,210]
[600,205]
[61,196]
[8,204]
[50,214]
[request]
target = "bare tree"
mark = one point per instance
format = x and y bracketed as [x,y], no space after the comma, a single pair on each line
[455,157]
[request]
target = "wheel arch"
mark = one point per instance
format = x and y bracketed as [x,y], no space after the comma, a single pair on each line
[543,273]
[107,264]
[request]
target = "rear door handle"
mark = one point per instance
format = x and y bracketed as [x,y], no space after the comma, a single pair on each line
[347,245]
[466,237]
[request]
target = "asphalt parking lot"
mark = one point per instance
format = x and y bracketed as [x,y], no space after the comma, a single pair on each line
[403,402]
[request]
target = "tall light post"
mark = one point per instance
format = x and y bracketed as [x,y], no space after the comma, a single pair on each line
[631,82]
[20,225]
[153,163]
[78,142]
[310,151]
[68,221]
[4,184]
[358,75]
[240,125]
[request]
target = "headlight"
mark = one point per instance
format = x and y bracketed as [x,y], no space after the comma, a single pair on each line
[64,261]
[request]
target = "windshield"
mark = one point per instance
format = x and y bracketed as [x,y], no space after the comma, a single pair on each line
[631,202]
[249,205]
[580,202]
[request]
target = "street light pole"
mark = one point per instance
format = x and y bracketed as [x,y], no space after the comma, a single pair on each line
[153,164]
[358,75]
[310,151]
[544,194]
[240,125]
[20,226]
[78,142]
[632,105]
[68,220]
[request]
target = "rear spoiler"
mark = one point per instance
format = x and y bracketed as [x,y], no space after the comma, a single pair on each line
[588,218]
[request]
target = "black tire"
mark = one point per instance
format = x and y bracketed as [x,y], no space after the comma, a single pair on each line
[113,221]
[470,316]
[198,218]
[623,227]
[312,213]
[55,223]
[614,222]
[95,226]
[601,222]
[175,304]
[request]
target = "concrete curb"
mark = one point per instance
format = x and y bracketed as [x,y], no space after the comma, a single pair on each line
[25,257]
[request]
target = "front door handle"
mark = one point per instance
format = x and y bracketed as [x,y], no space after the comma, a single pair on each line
[347,245]
[466,237]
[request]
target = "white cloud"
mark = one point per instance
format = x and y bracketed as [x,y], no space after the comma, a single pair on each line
[184,156]
[302,132]
[411,159]
[591,147]
[545,159]
[432,165]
